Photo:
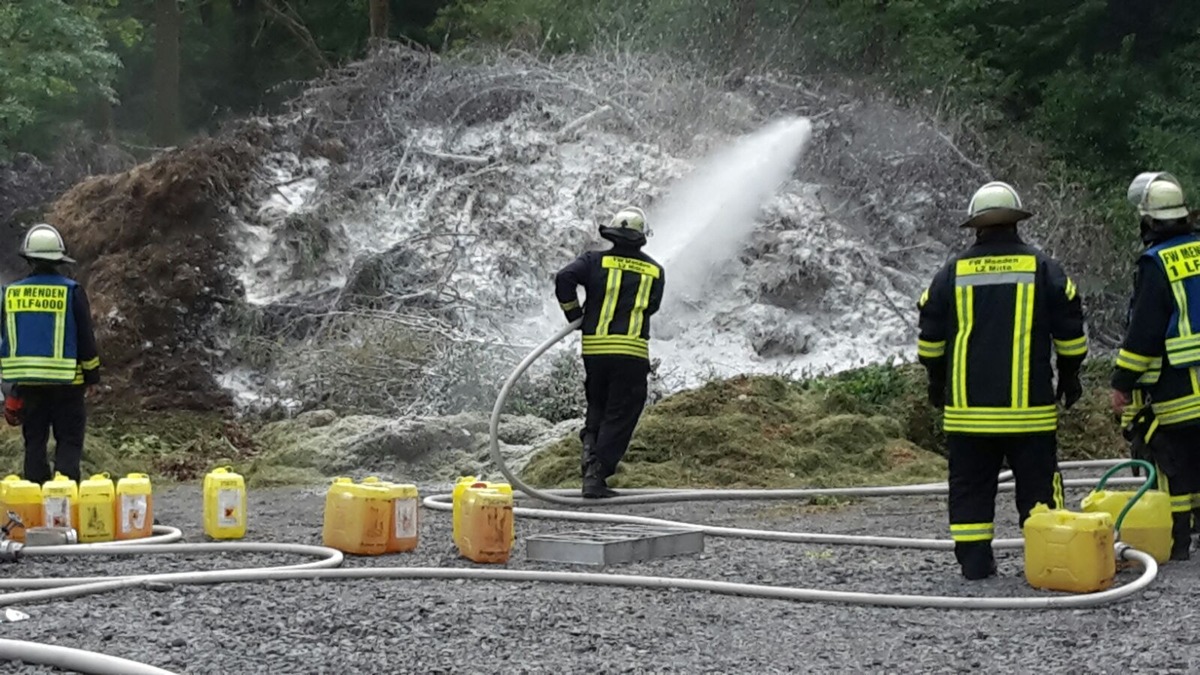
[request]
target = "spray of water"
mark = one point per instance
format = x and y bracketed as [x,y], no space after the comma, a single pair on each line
[703,220]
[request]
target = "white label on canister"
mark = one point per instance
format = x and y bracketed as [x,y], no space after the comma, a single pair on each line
[228,504]
[57,511]
[406,518]
[133,513]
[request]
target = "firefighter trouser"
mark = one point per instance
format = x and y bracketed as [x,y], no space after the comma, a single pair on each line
[63,410]
[616,394]
[1176,453]
[975,464]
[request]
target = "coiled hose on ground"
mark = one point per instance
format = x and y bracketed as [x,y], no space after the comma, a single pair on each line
[327,560]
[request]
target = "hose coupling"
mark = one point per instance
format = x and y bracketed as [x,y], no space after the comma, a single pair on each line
[1121,549]
[10,551]
[50,536]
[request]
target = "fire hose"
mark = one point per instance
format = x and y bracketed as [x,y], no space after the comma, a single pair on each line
[327,561]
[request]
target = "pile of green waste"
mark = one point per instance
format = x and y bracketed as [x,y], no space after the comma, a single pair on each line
[870,426]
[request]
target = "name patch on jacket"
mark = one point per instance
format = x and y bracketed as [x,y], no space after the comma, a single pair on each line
[612,262]
[996,270]
[35,299]
[1181,262]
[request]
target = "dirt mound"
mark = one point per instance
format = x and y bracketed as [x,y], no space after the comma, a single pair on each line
[155,260]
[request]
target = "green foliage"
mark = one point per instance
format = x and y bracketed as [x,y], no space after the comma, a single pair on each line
[52,54]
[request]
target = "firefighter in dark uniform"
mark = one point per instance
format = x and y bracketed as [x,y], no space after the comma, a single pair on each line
[988,323]
[48,355]
[1166,305]
[624,288]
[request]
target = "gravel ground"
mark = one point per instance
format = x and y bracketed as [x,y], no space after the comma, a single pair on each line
[478,627]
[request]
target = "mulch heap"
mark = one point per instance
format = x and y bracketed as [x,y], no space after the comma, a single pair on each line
[155,259]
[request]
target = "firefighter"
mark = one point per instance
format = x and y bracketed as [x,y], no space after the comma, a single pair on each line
[48,354]
[1165,297]
[624,288]
[988,322]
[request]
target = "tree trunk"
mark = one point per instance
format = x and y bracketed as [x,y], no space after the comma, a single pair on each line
[167,21]
[205,8]
[245,75]
[379,19]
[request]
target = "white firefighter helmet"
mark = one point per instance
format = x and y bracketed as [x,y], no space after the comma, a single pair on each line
[1158,195]
[630,218]
[43,242]
[996,203]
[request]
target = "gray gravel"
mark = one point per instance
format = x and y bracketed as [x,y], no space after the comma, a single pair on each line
[446,626]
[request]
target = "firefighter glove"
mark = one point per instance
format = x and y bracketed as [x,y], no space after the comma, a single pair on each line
[1070,389]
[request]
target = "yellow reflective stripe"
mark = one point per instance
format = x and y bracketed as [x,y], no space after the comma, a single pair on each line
[1181,503]
[11,321]
[1022,327]
[1060,501]
[90,364]
[1184,341]
[615,345]
[1132,361]
[1076,347]
[1001,420]
[1195,499]
[1071,290]
[972,531]
[568,306]
[612,290]
[1150,432]
[924,299]
[612,262]
[638,316]
[60,331]
[19,374]
[1178,416]
[1185,324]
[1151,376]
[931,350]
[965,298]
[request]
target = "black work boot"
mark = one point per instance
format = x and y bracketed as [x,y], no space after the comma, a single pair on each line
[976,559]
[1181,536]
[594,485]
[587,457]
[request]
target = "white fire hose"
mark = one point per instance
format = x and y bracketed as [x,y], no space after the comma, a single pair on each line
[327,560]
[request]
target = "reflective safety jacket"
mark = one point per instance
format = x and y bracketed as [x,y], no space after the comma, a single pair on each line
[988,323]
[47,333]
[624,289]
[1166,305]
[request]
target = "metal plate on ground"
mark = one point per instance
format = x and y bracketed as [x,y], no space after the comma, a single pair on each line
[614,545]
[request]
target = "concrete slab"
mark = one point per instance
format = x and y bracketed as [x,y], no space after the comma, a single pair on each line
[614,545]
